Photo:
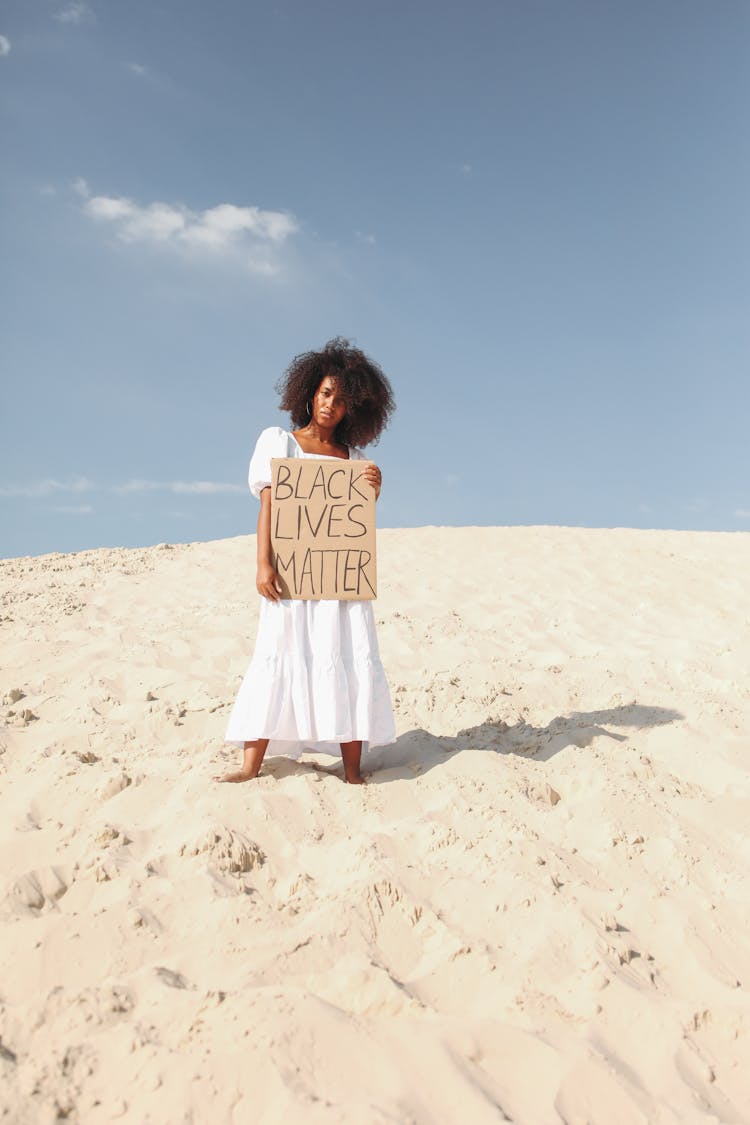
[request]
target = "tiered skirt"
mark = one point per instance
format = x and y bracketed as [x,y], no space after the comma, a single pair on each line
[315,680]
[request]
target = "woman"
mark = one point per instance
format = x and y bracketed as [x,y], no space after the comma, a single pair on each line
[315,680]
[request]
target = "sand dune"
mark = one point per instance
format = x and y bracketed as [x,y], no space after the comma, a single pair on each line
[537,910]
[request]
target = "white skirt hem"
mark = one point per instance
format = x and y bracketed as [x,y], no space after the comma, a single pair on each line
[285,748]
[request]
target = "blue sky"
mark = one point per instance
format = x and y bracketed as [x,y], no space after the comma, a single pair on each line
[533,214]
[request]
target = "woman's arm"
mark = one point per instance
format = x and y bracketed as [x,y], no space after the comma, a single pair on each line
[267,580]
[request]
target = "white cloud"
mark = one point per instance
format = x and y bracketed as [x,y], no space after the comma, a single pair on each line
[197,487]
[368,239]
[466,169]
[220,225]
[74,510]
[136,68]
[47,487]
[227,228]
[205,487]
[742,513]
[51,487]
[76,12]
[4,46]
[156,222]
[81,187]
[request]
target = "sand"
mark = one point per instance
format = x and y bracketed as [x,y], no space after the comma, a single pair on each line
[537,910]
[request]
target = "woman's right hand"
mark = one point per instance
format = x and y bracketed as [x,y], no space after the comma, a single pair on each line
[267,582]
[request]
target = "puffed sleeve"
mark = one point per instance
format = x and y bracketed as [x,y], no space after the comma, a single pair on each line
[271,443]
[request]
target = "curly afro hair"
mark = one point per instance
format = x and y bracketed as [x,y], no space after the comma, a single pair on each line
[368,394]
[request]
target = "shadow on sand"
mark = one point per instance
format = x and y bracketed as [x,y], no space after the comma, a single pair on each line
[417,751]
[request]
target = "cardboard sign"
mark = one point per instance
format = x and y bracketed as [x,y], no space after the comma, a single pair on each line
[323,529]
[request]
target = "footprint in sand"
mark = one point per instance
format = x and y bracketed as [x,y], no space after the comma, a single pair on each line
[37,889]
[114,786]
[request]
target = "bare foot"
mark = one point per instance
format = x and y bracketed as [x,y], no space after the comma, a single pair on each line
[238,775]
[253,759]
[358,780]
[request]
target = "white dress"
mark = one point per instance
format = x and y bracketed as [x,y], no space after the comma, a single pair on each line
[316,679]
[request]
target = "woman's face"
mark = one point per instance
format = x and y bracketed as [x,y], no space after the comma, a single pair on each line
[329,405]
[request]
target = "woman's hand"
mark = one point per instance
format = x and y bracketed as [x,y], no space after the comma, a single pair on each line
[373,476]
[266,579]
[267,582]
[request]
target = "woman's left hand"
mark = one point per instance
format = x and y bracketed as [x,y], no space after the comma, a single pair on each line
[373,476]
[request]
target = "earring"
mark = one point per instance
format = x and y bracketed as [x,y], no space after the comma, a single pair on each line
[309,409]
